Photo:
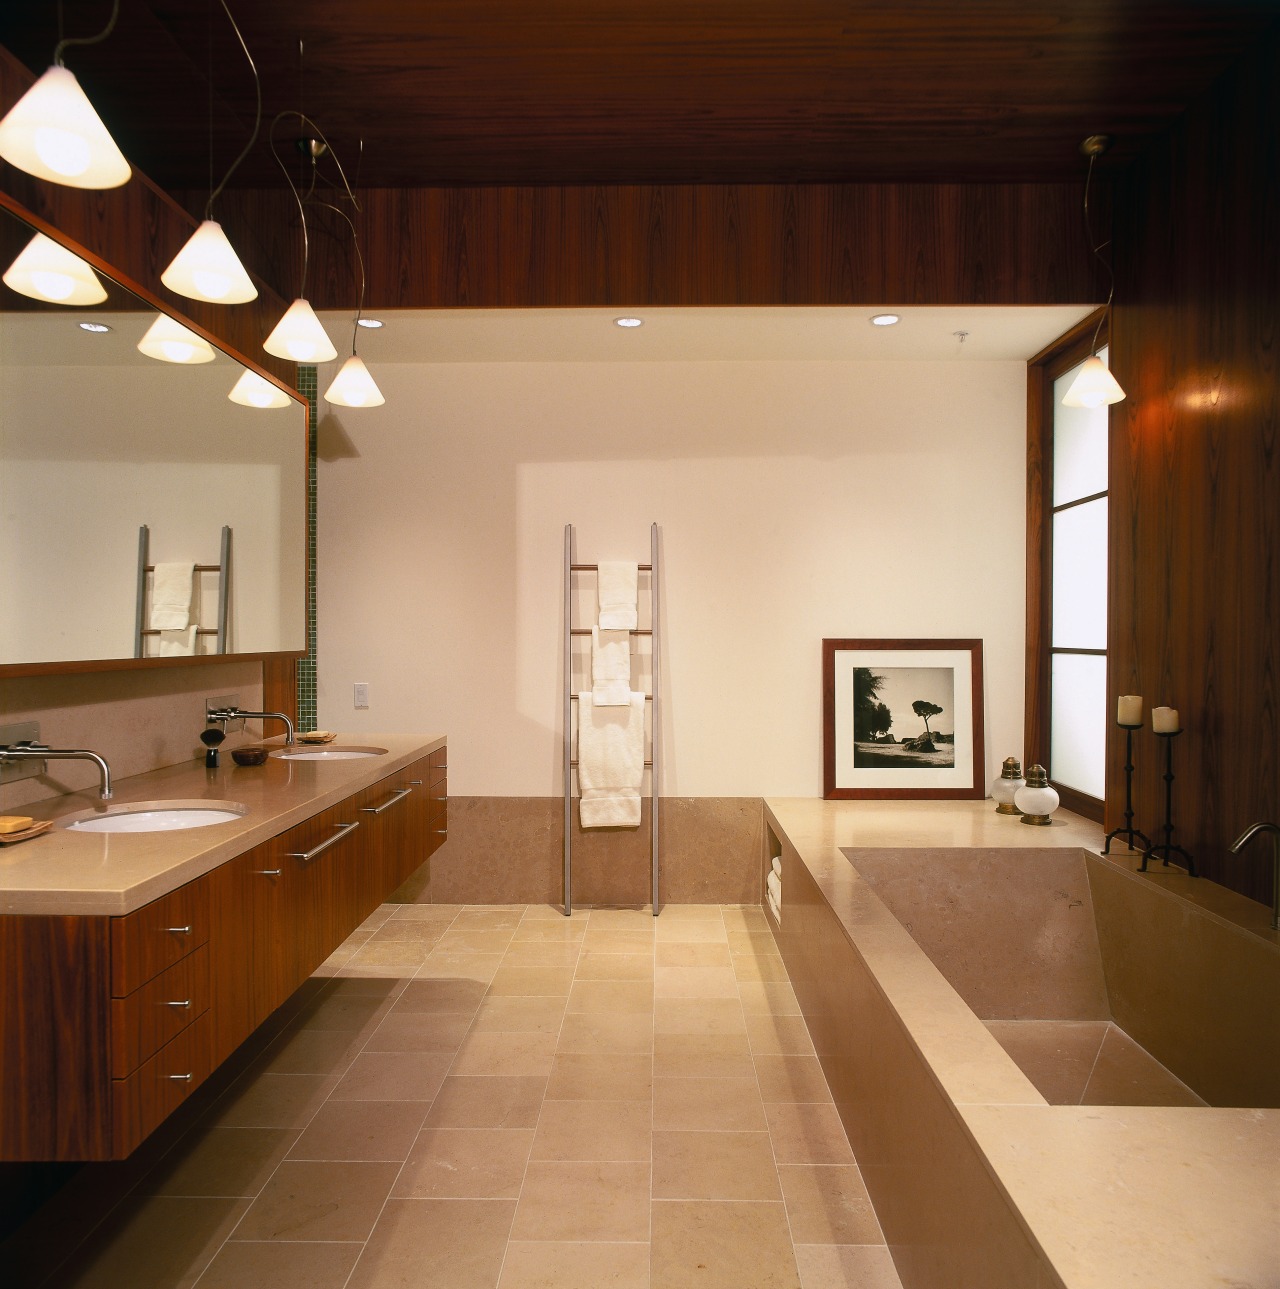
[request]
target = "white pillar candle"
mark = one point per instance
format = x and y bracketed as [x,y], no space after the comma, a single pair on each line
[1164,720]
[1129,709]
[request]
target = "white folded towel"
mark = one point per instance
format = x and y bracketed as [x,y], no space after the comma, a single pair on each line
[616,589]
[774,884]
[777,866]
[176,644]
[610,762]
[171,596]
[775,909]
[610,668]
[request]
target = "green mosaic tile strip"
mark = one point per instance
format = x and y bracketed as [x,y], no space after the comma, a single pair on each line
[306,671]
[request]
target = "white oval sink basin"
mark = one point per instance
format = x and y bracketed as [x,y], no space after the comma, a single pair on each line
[327,753]
[154,816]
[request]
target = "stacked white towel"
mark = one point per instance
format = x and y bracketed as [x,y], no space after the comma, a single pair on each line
[777,866]
[616,590]
[177,644]
[171,596]
[774,893]
[610,762]
[610,668]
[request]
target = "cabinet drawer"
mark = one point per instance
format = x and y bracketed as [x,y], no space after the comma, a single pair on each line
[145,1021]
[144,943]
[438,761]
[152,1092]
[437,821]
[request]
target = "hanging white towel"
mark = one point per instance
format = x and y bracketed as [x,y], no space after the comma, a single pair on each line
[774,885]
[610,763]
[171,596]
[176,644]
[616,589]
[775,909]
[610,668]
[777,866]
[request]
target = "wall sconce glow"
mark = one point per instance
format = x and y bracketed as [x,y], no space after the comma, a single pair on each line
[44,270]
[300,337]
[354,387]
[53,132]
[1093,387]
[885,319]
[97,328]
[372,323]
[251,390]
[628,322]
[169,341]
[207,268]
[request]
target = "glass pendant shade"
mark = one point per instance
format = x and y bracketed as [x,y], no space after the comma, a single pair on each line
[299,336]
[46,271]
[53,132]
[354,387]
[169,341]
[207,268]
[1093,387]
[252,391]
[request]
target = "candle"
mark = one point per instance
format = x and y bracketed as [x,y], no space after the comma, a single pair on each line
[1164,720]
[1129,709]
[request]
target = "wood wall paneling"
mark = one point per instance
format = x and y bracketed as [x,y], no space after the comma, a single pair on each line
[1195,472]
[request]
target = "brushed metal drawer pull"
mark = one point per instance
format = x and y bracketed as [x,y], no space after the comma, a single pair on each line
[185,1003]
[308,855]
[442,832]
[267,872]
[181,1078]
[179,930]
[386,805]
[417,783]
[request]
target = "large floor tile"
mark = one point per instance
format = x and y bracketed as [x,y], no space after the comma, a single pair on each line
[694,982]
[702,1056]
[443,994]
[606,1032]
[583,1201]
[407,1031]
[591,1131]
[791,1077]
[807,1132]
[846,1266]
[467,1101]
[436,1244]
[612,996]
[219,1161]
[708,1104]
[474,940]
[361,1130]
[698,1016]
[550,952]
[520,1015]
[714,1166]
[773,1035]
[480,967]
[604,1077]
[559,1265]
[594,964]
[280,1265]
[466,1163]
[272,1101]
[531,982]
[509,1055]
[828,1204]
[719,1245]
[774,997]
[393,1076]
[310,1200]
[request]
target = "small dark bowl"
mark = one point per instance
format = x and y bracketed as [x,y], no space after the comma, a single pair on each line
[249,755]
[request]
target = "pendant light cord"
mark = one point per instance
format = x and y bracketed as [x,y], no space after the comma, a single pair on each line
[64,41]
[355,240]
[1097,248]
[257,116]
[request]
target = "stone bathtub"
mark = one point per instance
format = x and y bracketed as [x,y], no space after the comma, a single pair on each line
[1054,1071]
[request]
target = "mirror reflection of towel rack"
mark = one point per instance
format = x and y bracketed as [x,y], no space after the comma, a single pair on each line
[223,568]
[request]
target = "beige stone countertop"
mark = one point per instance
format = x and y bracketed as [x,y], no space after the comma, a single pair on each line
[1182,1198]
[67,872]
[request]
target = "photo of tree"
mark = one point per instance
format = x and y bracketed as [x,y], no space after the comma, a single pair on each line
[903,717]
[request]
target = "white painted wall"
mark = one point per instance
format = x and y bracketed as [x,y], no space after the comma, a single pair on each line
[798,500]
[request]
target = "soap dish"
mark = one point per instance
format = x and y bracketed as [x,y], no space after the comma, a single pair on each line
[249,755]
[35,830]
[317,736]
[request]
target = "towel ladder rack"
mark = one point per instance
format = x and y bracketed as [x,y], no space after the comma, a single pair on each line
[223,568]
[653,761]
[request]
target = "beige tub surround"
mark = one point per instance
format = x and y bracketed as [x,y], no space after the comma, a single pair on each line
[977,1179]
[68,872]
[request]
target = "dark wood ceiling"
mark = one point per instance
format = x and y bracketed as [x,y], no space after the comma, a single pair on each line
[466,92]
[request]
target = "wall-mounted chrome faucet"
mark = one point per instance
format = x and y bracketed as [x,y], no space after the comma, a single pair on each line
[31,750]
[224,714]
[1243,840]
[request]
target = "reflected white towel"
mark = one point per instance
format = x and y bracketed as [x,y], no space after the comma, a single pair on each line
[777,866]
[171,596]
[610,763]
[775,909]
[616,590]
[610,668]
[176,644]
[774,884]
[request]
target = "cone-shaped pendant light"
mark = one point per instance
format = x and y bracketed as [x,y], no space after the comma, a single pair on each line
[169,341]
[299,336]
[44,270]
[252,391]
[53,132]
[207,268]
[353,386]
[1093,386]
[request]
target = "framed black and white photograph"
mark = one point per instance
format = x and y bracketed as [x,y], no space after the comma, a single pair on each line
[902,719]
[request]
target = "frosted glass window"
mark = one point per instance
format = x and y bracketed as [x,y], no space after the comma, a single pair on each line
[1078,716]
[1080,576]
[1079,444]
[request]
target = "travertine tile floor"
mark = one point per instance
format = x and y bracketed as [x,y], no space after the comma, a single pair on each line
[503,1098]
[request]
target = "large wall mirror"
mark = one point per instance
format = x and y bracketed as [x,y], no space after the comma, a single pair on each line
[99,440]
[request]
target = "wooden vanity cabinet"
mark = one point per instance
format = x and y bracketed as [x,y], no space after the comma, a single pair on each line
[108,1024]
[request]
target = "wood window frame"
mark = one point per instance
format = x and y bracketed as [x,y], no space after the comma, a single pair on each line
[1042,370]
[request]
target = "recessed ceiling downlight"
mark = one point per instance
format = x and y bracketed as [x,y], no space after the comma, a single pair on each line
[372,323]
[628,322]
[96,327]
[885,319]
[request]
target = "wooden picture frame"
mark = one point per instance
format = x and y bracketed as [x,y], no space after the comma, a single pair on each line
[918,707]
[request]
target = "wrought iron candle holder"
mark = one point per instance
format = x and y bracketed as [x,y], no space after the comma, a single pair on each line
[1165,849]
[1129,832]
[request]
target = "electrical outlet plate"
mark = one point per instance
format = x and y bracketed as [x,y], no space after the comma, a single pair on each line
[21,732]
[362,694]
